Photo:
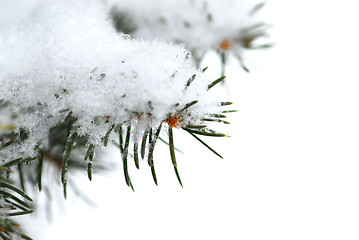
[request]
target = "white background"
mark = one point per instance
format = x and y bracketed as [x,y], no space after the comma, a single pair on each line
[291,167]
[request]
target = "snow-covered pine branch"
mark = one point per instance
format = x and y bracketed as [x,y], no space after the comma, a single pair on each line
[201,25]
[65,62]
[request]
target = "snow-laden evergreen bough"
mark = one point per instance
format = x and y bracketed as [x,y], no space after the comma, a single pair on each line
[71,84]
[70,65]
[227,26]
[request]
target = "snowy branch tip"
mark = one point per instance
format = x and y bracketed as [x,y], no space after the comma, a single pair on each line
[62,61]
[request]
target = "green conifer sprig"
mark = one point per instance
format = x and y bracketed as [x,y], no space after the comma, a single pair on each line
[14,202]
[75,141]
[64,139]
[173,121]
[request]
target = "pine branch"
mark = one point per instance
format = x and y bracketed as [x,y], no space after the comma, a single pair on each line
[11,206]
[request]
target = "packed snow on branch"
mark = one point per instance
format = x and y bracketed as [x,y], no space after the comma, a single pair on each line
[199,24]
[66,59]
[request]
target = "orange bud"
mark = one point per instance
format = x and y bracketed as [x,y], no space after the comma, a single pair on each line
[225,45]
[174,121]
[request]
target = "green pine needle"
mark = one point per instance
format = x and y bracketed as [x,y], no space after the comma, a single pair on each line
[18,191]
[89,151]
[105,140]
[124,157]
[262,46]
[205,144]
[135,155]
[143,144]
[178,176]
[8,195]
[218,115]
[171,145]
[226,103]
[5,145]
[230,111]
[121,138]
[69,147]
[215,120]
[241,63]
[89,170]
[154,173]
[244,67]
[257,7]
[22,183]
[206,132]
[190,80]
[20,213]
[23,236]
[16,205]
[190,104]
[223,63]
[173,156]
[65,189]
[133,189]
[39,174]
[151,150]
[196,126]
[70,144]
[215,82]
[13,162]
[165,142]
[150,134]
